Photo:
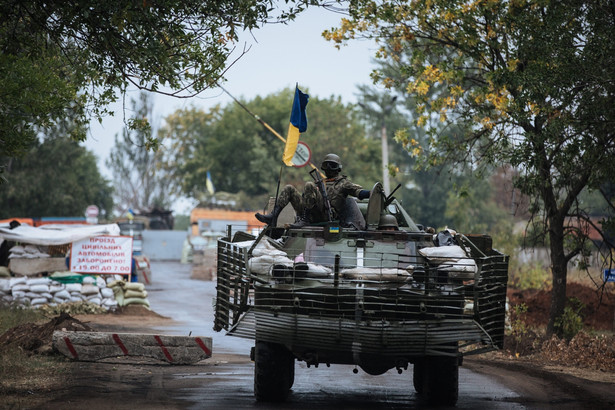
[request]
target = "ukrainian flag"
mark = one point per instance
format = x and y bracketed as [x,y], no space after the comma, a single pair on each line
[209,184]
[298,124]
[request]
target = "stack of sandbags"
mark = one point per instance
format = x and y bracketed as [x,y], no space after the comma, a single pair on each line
[35,292]
[129,293]
[27,252]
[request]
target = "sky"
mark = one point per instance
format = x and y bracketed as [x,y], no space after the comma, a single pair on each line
[279,57]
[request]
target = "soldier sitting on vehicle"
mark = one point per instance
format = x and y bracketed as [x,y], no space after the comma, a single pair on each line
[310,206]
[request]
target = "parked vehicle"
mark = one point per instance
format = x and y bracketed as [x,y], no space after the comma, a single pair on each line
[349,293]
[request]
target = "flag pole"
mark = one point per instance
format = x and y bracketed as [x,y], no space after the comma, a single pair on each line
[263,123]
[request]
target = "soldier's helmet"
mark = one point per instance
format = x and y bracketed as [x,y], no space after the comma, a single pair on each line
[331,162]
[388,222]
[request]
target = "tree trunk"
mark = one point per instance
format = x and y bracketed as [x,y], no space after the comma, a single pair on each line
[559,272]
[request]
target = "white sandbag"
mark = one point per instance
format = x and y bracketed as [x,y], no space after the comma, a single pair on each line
[17,281]
[39,301]
[89,289]
[100,282]
[56,287]
[46,295]
[39,288]
[106,292]
[18,294]
[32,295]
[443,252]
[109,303]
[262,264]
[31,249]
[17,249]
[377,274]
[7,298]
[38,281]
[22,287]
[63,294]
[76,299]
[73,287]
[59,301]
[88,280]
[264,247]
[96,300]
[5,285]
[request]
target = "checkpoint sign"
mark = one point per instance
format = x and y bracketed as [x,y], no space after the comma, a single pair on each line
[302,155]
[609,275]
[102,255]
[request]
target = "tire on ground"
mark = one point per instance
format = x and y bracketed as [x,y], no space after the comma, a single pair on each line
[441,380]
[272,371]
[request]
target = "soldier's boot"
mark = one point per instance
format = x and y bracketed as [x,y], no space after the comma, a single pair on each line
[269,218]
[301,220]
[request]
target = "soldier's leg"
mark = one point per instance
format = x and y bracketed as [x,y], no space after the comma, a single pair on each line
[289,194]
[313,203]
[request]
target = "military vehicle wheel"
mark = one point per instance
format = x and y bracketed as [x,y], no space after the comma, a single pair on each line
[441,380]
[418,375]
[273,377]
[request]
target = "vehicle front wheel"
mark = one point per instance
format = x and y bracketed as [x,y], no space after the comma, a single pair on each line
[274,371]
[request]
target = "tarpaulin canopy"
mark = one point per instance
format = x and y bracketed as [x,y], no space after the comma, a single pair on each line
[55,234]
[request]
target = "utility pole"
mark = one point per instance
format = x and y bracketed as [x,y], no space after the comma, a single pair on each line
[382,112]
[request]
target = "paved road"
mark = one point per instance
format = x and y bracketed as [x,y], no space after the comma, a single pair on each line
[228,384]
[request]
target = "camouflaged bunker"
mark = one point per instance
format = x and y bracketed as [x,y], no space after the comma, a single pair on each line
[349,293]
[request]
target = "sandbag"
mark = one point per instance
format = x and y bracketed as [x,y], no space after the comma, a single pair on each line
[134,286]
[135,301]
[89,289]
[39,288]
[135,294]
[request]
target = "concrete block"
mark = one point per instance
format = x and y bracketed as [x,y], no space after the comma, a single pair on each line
[92,346]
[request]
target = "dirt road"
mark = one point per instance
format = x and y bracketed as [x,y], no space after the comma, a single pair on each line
[184,306]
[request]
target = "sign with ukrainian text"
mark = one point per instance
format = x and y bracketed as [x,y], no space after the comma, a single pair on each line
[102,255]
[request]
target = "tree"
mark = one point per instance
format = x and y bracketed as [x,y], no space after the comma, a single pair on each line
[56,177]
[243,156]
[61,57]
[528,82]
[140,180]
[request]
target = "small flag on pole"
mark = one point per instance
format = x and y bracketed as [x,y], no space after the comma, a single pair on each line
[298,124]
[209,184]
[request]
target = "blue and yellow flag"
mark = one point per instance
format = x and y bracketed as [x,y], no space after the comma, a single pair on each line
[209,184]
[298,124]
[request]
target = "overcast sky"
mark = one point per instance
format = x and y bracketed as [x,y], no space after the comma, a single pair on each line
[279,57]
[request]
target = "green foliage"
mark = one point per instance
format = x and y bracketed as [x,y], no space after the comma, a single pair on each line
[60,58]
[11,317]
[529,276]
[57,177]
[526,83]
[571,321]
[518,328]
[243,157]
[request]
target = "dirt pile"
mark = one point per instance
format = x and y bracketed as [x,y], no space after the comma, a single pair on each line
[37,339]
[598,310]
[585,350]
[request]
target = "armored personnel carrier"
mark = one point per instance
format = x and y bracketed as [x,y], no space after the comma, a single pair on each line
[346,292]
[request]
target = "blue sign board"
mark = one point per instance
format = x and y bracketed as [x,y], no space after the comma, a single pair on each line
[609,275]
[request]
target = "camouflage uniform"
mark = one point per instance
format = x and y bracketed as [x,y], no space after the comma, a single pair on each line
[311,201]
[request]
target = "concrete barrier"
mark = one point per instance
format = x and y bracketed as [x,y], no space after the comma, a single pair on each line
[92,346]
